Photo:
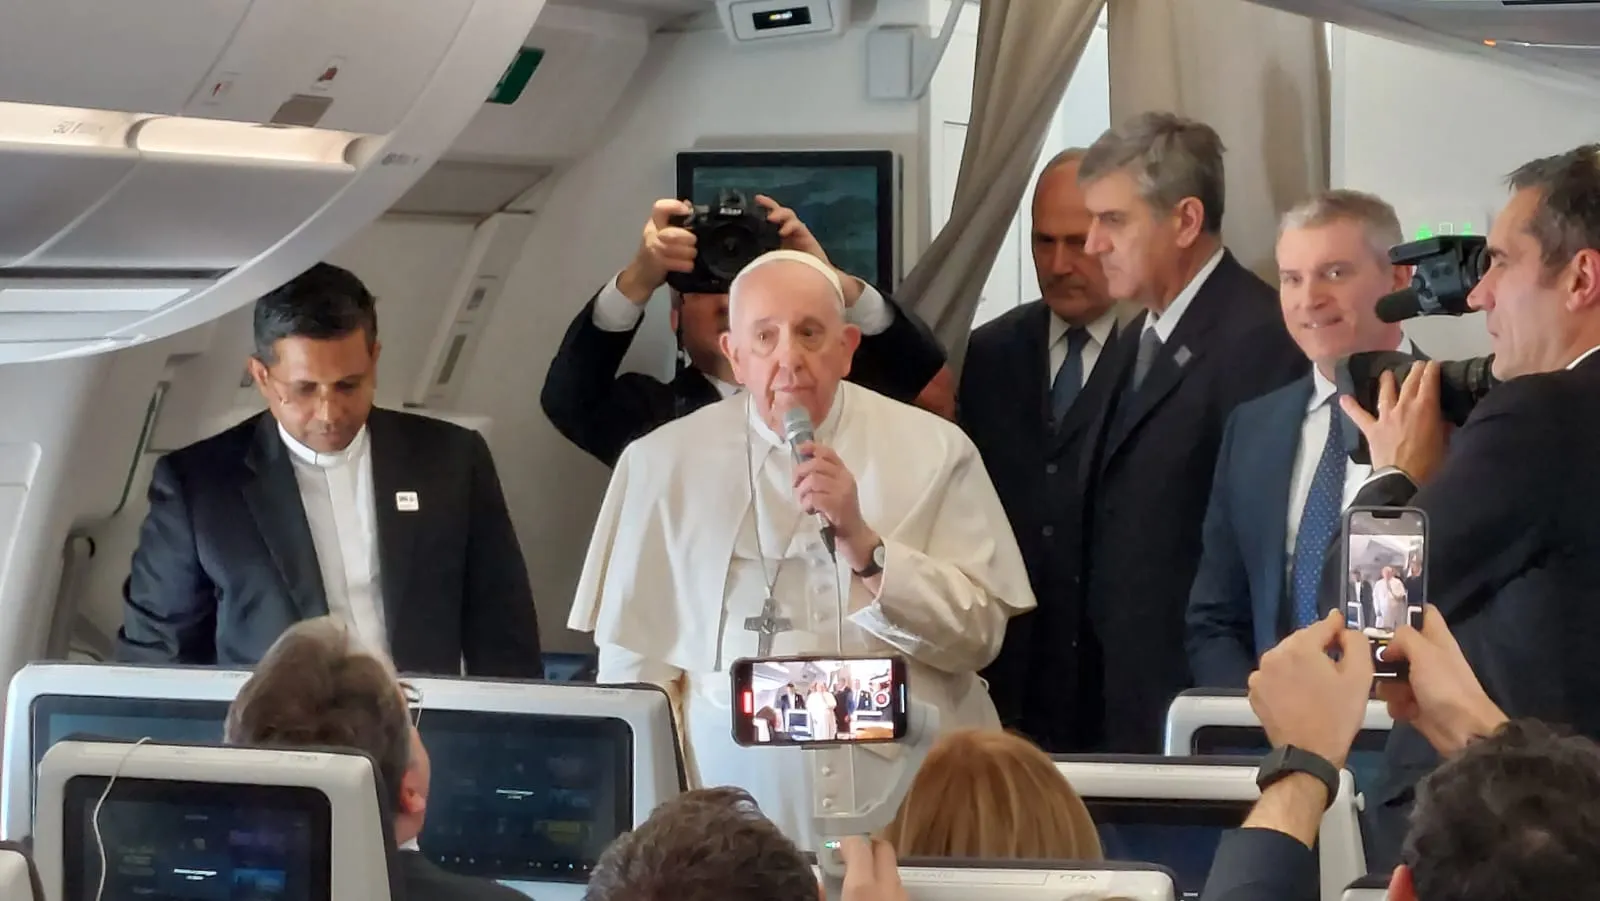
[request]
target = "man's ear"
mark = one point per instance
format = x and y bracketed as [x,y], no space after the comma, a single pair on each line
[1402,278]
[725,343]
[1190,214]
[1585,281]
[258,374]
[1401,887]
[413,800]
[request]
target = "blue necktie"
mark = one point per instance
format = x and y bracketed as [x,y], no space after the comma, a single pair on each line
[1319,521]
[1069,378]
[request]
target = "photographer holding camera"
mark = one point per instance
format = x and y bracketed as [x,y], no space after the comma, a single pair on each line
[602,411]
[1515,545]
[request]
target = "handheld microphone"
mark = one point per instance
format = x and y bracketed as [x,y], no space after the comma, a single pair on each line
[1399,306]
[797,430]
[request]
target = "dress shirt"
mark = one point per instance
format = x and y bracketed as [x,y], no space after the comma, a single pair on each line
[1166,321]
[1099,333]
[336,492]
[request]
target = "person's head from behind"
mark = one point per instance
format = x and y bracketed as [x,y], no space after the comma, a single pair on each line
[704,845]
[700,321]
[1513,816]
[1070,279]
[318,686]
[316,356]
[1154,188]
[1542,290]
[787,337]
[1333,266]
[992,795]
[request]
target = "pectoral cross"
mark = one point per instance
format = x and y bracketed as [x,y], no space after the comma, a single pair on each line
[768,624]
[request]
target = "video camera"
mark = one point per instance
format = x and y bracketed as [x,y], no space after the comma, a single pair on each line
[1448,267]
[728,235]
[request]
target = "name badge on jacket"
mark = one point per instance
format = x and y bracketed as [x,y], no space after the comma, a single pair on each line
[405,501]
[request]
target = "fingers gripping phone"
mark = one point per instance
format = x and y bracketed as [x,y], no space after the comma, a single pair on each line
[1386,576]
[814,701]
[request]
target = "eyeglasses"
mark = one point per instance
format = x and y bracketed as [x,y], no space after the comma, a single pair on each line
[413,696]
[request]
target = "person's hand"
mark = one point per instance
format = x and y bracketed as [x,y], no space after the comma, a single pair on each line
[796,236]
[1305,698]
[663,248]
[824,485]
[1440,697]
[871,871]
[1409,430]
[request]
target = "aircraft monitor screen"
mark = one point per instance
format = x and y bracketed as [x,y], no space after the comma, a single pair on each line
[56,717]
[518,797]
[196,841]
[1181,835]
[1364,763]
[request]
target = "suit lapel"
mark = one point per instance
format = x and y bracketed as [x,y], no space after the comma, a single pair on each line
[272,495]
[1279,439]
[393,474]
[1033,372]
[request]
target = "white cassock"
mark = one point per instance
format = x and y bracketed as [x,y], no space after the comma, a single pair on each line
[674,571]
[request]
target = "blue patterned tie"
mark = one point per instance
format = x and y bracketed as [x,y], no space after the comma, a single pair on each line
[1069,378]
[1319,521]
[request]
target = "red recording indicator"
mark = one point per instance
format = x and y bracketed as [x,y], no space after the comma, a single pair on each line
[749,703]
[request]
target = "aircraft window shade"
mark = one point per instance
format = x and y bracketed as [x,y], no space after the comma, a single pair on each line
[196,840]
[519,797]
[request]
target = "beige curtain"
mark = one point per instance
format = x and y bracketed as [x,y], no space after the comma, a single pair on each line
[1260,77]
[1027,51]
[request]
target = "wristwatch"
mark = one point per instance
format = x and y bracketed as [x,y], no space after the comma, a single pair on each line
[875,565]
[1288,760]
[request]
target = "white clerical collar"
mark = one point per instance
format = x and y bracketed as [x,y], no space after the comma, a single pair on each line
[325,461]
[1323,388]
[1583,356]
[824,432]
[1099,330]
[1166,321]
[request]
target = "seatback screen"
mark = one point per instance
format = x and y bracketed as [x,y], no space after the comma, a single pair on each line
[1181,835]
[1365,761]
[195,841]
[521,797]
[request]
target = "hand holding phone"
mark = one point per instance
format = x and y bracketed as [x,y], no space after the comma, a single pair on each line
[1385,585]
[814,701]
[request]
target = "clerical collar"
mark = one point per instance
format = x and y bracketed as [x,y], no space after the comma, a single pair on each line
[824,432]
[325,461]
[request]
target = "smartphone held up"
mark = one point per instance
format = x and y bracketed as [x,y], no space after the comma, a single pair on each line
[814,701]
[1386,568]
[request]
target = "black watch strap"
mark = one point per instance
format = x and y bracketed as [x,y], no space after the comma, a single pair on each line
[874,563]
[1288,760]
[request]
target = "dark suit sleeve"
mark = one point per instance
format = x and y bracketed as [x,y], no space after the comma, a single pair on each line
[1267,359]
[1220,636]
[1262,865]
[901,360]
[500,626]
[169,604]
[588,402]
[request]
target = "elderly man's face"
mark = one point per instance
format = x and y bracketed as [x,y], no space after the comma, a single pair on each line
[788,341]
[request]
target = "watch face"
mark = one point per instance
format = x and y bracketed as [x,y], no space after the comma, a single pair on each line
[878,555]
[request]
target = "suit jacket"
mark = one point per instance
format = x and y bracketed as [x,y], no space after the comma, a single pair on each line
[1262,865]
[601,411]
[226,560]
[1511,566]
[1148,474]
[424,881]
[1004,405]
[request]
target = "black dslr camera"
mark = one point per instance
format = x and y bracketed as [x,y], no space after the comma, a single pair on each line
[1448,268]
[728,236]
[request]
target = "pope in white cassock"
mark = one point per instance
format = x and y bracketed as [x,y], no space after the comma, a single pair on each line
[707,517]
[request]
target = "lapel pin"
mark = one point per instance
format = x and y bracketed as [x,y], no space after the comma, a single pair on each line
[405,501]
[1183,355]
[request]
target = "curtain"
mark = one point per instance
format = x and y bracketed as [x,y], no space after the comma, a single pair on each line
[1027,51]
[1259,76]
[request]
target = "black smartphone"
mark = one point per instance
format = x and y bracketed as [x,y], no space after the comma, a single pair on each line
[1386,576]
[812,701]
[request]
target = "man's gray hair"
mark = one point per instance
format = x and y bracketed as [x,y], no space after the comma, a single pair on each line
[1169,157]
[706,845]
[1377,218]
[1568,217]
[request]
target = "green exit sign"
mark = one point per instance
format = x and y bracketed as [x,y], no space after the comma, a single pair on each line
[1445,228]
[515,81]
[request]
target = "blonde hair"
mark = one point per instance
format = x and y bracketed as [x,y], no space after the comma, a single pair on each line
[992,795]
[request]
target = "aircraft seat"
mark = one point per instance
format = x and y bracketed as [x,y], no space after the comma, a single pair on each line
[19,879]
[1371,887]
[928,879]
[1173,811]
[212,822]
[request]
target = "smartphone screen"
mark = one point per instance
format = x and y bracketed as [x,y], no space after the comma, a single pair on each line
[819,700]
[1386,573]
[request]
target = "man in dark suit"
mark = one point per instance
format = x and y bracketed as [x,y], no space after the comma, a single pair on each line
[394,522]
[319,686]
[601,411]
[1511,506]
[1283,475]
[1029,387]
[1211,337]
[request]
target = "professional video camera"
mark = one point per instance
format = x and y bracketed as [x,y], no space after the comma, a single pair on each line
[1448,267]
[728,236]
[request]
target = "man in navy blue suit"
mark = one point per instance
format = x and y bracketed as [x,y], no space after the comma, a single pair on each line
[1283,477]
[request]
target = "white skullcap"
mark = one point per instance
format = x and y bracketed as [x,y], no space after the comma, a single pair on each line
[795,256]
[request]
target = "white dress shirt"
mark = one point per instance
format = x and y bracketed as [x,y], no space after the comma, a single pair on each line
[1166,321]
[1313,435]
[336,491]
[1099,333]
[614,312]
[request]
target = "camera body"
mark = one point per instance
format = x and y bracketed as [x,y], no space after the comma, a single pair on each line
[1448,267]
[728,236]
[1462,383]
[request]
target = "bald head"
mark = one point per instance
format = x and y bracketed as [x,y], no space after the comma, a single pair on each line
[1070,280]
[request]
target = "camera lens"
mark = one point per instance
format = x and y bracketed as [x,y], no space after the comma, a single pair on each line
[728,248]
